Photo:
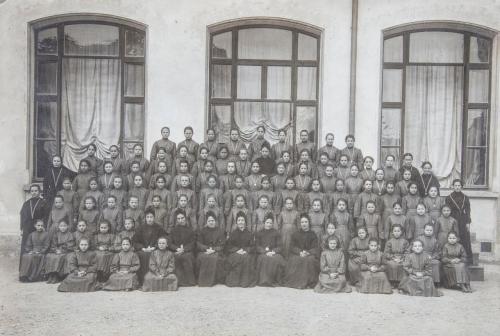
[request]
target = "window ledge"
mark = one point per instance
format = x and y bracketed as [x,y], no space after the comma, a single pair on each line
[473,193]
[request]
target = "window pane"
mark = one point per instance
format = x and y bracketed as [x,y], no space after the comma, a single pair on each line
[47,42]
[221,121]
[477,127]
[273,116]
[46,120]
[47,78]
[133,123]
[478,86]
[308,47]
[306,83]
[436,47]
[249,82]
[221,81]
[134,80]
[392,85]
[306,120]
[393,49]
[134,43]
[479,50]
[222,45]
[391,127]
[475,167]
[91,40]
[279,82]
[265,43]
[44,150]
[390,151]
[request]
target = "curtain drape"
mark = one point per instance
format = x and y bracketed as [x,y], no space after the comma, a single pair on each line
[433,118]
[90,107]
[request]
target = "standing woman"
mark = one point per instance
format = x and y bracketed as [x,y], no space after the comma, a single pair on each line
[210,260]
[119,164]
[257,143]
[426,180]
[165,143]
[33,209]
[460,210]
[302,268]
[281,146]
[94,162]
[53,179]
[211,144]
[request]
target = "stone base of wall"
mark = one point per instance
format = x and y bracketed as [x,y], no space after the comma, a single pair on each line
[10,245]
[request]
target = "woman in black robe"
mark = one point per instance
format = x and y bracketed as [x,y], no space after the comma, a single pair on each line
[302,268]
[270,262]
[210,260]
[182,242]
[33,209]
[459,204]
[53,179]
[427,180]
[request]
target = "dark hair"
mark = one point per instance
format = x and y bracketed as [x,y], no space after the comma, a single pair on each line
[390,155]
[397,203]
[149,210]
[241,214]
[306,216]
[165,127]
[210,214]
[84,161]
[126,239]
[426,163]
[188,128]
[459,181]
[260,126]
[179,212]
[349,136]
[342,200]
[210,129]
[282,131]
[59,196]
[105,221]
[397,226]
[327,134]
[408,154]
[373,240]
[111,196]
[93,146]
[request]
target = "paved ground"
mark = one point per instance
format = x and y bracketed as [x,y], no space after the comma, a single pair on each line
[38,309]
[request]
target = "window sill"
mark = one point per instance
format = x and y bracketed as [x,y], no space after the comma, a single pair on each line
[473,193]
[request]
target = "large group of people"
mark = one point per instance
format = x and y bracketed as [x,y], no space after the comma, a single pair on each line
[246,215]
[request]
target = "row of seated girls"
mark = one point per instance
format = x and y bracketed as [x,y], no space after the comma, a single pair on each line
[108,203]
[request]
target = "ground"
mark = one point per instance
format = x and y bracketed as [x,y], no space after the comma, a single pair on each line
[38,309]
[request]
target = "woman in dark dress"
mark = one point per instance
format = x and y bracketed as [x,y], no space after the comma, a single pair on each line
[270,262]
[460,210]
[182,243]
[210,260]
[240,263]
[427,180]
[53,179]
[33,209]
[302,268]
[145,240]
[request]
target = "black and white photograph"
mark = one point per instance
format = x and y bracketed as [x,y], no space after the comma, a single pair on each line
[250,167]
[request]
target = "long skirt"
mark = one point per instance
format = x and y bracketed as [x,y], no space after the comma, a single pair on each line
[210,269]
[301,272]
[120,281]
[454,274]
[394,270]
[240,270]
[354,269]
[55,263]
[411,285]
[156,283]
[144,268]
[286,236]
[74,283]
[344,235]
[31,266]
[374,283]
[436,270]
[103,261]
[184,269]
[270,270]
[326,284]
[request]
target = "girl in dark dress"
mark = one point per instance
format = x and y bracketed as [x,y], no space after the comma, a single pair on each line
[373,279]
[302,268]
[240,262]
[395,249]
[210,260]
[357,248]
[61,244]
[161,275]
[33,209]
[270,262]
[82,270]
[182,243]
[37,245]
[460,210]
[123,269]
[332,266]
[456,273]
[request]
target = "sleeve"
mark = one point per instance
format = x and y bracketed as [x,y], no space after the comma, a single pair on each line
[445,258]
[29,243]
[278,243]
[230,245]
[463,255]
[358,205]
[135,263]
[171,264]
[73,263]
[115,263]
[70,244]
[153,265]
[137,240]
[467,210]
[314,250]
[427,267]
[380,227]
[388,254]
[363,263]
[117,246]
[221,240]
[323,264]
[46,245]
[341,268]
[407,265]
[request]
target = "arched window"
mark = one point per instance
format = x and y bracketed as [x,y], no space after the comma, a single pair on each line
[436,99]
[88,87]
[264,72]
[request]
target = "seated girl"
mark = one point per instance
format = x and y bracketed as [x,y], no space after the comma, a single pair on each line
[82,270]
[123,269]
[454,257]
[103,245]
[61,244]
[36,247]
[332,269]
[373,278]
[394,252]
[357,247]
[161,275]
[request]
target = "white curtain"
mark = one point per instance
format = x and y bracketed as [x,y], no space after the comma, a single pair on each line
[433,118]
[90,107]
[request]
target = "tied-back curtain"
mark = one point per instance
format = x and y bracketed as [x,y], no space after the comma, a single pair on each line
[433,118]
[90,107]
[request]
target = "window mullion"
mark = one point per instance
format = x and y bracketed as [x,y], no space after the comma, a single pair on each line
[121,52]
[60,53]
[465,111]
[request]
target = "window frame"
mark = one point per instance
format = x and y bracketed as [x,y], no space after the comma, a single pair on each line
[467,31]
[274,23]
[59,22]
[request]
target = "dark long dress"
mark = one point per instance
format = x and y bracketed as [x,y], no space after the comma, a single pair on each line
[302,272]
[123,261]
[161,275]
[454,274]
[33,209]
[210,267]
[269,268]
[418,286]
[145,236]
[332,261]
[288,224]
[344,226]
[240,268]
[32,260]
[460,210]
[52,182]
[373,282]
[184,263]
[64,242]
[80,261]
[356,250]
[104,257]
[395,248]
[432,248]
[425,182]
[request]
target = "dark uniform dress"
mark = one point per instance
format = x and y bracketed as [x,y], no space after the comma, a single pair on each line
[31,264]
[332,261]
[80,261]
[33,209]
[161,275]
[240,268]
[373,282]
[210,267]
[146,236]
[418,286]
[460,210]
[123,261]
[184,262]
[302,272]
[269,268]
